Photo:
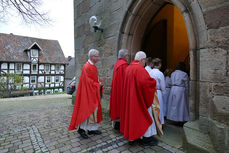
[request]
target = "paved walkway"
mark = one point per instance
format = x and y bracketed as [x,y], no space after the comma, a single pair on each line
[38,124]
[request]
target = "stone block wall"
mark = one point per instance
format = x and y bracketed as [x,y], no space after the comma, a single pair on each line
[213,70]
[110,13]
[209,50]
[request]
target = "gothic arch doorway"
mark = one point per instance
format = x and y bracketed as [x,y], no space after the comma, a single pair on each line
[136,23]
[155,42]
[166,38]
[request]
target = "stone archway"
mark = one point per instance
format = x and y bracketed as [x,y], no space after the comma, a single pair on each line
[135,22]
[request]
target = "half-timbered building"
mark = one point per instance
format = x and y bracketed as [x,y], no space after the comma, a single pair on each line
[41,62]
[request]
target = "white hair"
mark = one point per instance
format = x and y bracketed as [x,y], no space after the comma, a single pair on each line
[122,53]
[92,52]
[140,55]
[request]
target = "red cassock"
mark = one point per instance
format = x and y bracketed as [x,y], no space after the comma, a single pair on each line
[139,89]
[117,88]
[87,96]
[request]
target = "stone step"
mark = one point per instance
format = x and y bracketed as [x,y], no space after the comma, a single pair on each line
[219,136]
[219,123]
[172,135]
[220,108]
[195,141]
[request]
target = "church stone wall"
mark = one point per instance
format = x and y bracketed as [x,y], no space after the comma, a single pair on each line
[214,73]
[211,68]
[111,14]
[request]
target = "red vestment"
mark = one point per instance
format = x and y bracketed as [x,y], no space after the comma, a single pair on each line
[139,90]
[87,96]
[117,88]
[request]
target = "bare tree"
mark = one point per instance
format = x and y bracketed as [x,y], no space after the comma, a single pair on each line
[29,10]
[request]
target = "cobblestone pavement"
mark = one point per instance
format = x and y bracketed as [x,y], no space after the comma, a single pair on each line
[42,126]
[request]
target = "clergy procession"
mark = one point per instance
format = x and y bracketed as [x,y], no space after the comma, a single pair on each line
[142,98]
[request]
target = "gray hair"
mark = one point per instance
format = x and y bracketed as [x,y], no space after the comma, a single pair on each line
[92,52]
[122,53]
[140,55]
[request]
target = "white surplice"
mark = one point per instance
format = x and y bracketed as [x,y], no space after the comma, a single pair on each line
[91,127]
[159,77]
[168,84]
[148,68]
[152,129]
[178,107]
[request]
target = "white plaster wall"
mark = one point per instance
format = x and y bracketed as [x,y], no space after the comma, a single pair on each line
[62,67]
[4,66]
[26,71]
[11,65]
[26,79]
[52,79]
[41,66]
[11,71]
[25,85]
[61,78]
[41,79]
[40,85]
[52,67]
[26,66]
[6,71]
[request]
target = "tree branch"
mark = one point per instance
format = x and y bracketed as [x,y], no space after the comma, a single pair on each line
[27,9]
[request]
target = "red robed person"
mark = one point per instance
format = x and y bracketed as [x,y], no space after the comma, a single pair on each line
[87,109]
[139,89]
[117,87]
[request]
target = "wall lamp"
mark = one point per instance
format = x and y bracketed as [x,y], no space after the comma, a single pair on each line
[95,23]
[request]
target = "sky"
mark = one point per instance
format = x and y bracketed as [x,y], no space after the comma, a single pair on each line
[61,27]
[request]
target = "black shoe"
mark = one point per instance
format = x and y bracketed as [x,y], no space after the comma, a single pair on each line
[134,142]
[95,132]
[151,143]
[82,133]
[148,141]
[117,126]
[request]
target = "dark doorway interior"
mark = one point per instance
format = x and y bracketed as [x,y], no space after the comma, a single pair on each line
[155,43]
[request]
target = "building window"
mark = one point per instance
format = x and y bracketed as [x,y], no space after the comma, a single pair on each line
[34,53]
[57,68]
[33,79]
[18,67]
[34,67]
[57,79]
[47,68]
[48,79]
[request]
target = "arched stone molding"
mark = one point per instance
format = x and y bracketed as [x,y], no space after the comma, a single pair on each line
[140,13]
